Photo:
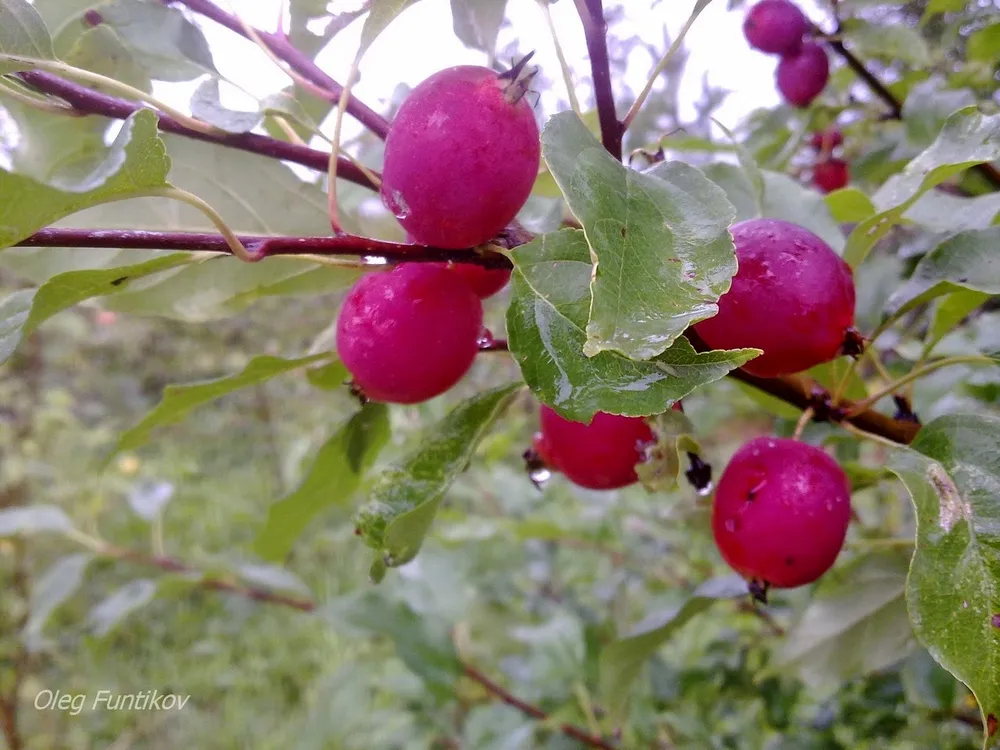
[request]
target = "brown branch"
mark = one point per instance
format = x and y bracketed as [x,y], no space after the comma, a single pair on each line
[533,711]
[88,101]
[297,61]
[988,171]
[806,393]
[262,246]
[172,565]
[595,30]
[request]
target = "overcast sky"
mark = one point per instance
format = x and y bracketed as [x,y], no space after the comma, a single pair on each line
[420,42]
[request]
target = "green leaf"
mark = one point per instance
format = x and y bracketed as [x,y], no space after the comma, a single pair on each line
[333,479]
[661,467]
[102,51]
[952,472]
[30,519]
[621,661]
[967,261]
[67,289]
[855,623]
[22,32]
[660,241]
[928,105]
[545,330]
[967,138]
[120,604]
[849,205]
[888,42]
[135,161]
[783,198]
[936,7]
[205,105]
[160,38]
[477,22]
[984,44]
[405,497]
[48,592]
[941,212]
[254,194]
[949,312]
[179,400]
[422,643]
[382,13]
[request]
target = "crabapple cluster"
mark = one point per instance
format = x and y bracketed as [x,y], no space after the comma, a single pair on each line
[780,513]
[777,27]
[829,172]
[461,157]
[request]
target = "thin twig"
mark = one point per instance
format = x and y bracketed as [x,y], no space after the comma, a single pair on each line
[285,51]
[578,734]
[595,30]
[87,101]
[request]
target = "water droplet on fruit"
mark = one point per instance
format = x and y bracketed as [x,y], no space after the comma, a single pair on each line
[485,338]
[706,490]
[731,524]
[398,205]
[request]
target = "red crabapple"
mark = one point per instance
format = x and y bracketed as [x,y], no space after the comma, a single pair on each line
[792,297]
[826,141]
[600,455]
[802,76]
[461,156]
[830,175]
[775,26]
[485,282]
[409,334]
[781,512]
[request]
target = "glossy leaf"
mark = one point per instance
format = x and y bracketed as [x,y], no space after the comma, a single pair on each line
[940,212]
[477,22]
[31,519]
[675,437]
[22,32]
[545,329]
[984,44]
[967,261]
[179,400]
[855,623]
[782,198]
[950,311]
[27,309]
[928,105]
[405,498]
[160,38]
[952,472]
[333,478]
[135,161]
[967,138]
[102,51]
[382,13]
[622,660]
[849,205]
[206,105]
[659,241]
[888,42]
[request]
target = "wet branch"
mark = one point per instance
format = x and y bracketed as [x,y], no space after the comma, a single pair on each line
[595,30]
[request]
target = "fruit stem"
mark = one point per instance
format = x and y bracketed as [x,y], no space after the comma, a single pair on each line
[916,373]
[567,73]
[804,419]
[661,65]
